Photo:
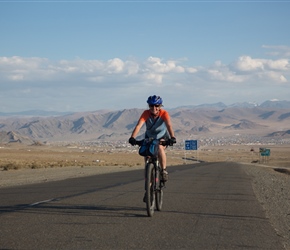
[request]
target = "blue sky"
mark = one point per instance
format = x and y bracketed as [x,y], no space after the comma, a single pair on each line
[90,55]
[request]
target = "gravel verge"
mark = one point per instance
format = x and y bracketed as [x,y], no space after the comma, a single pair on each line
[272,188]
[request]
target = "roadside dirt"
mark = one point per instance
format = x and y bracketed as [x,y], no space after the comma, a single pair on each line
[20,164]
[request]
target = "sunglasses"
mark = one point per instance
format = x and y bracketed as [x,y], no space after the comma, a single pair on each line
[156,106]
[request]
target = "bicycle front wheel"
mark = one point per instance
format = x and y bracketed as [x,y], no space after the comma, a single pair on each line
[159,193]
[150,192]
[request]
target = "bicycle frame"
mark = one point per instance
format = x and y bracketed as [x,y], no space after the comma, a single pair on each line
[157,170]
[153,183]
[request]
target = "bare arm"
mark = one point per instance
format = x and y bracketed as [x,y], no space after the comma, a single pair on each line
[169,128]
[137,128]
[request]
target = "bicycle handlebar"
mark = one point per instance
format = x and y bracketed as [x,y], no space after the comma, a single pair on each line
[164,143]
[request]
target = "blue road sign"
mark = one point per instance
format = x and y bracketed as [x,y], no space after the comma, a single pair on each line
[191,145]
[265,151]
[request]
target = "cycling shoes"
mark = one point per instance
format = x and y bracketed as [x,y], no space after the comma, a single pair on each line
[164,175]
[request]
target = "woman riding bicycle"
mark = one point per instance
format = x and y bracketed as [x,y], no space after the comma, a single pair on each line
[158,126]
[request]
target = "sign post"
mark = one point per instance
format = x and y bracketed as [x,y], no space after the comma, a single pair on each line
[265,153]
[190,145]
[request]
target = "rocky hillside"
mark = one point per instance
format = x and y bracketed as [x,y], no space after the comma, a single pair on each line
[14,137]
[118,125]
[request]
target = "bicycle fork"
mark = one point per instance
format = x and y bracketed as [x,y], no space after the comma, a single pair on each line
[158,184]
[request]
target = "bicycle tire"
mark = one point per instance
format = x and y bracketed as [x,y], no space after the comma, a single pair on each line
[150,192]
[159,193]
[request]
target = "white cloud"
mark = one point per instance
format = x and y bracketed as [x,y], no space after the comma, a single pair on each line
[17,68]
[282,64]
[156,65]
[156,78]
[81,80]
[132,67]
[261,69]
[22,63]
[283,78]
[275,76]
[191,70]
[246,63]
[15,76]
[223,73]
[115,65]
[280,50]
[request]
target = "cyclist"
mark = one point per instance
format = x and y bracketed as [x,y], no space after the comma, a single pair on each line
[158,126]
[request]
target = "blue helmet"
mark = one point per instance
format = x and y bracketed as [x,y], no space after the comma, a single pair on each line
[154,100]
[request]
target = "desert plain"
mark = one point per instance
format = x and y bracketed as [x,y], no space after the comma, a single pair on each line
[25,164]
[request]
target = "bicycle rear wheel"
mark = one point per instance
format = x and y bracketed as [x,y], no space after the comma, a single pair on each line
[150,192]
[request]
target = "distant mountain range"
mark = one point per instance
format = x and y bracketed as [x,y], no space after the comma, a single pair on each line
[270,119]
[34,113]
[266,104]
[218,105]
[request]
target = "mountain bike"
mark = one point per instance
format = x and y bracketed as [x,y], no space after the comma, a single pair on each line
[153,182]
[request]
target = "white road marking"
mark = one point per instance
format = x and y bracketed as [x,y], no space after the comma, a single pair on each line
[40,202]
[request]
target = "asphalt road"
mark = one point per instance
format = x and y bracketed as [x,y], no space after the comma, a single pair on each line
[206,206]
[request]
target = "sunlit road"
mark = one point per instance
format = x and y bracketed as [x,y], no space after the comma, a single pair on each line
[206,206]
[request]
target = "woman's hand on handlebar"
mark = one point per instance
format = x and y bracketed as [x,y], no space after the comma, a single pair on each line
[172,141]
[132,141]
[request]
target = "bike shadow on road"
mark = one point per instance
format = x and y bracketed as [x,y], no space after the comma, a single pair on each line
[81,210]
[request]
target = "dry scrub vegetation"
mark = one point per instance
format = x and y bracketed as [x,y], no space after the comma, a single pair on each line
[279,157]
[34,157]
[16,156]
